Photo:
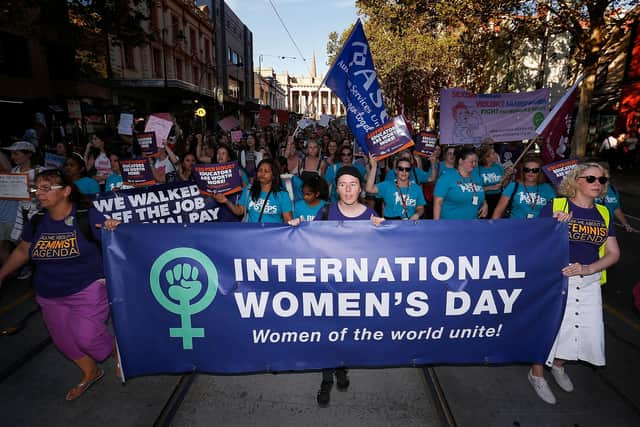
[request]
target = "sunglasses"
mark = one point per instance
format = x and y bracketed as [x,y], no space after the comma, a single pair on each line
[591,179]
[345,154]
[530,170]
[401,169]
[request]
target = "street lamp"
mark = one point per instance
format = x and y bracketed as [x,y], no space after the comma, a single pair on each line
[260,69]
[272,56]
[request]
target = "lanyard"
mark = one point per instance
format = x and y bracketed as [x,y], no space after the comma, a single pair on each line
[403,200]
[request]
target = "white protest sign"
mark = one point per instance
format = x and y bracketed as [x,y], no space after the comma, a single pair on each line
[161,127]
[125,126]
[14,186]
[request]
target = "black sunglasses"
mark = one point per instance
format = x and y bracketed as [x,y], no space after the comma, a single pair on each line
[346,154]
[532,170]
[401,169]
[591,179]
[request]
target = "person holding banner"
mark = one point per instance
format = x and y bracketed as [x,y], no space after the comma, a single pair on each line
[531,194]
[315,193]
[346,159]
[265,200]
[592,249]
[69,275]
[347,208]
[491,173]
[403,199]
[459,194]
[76,171]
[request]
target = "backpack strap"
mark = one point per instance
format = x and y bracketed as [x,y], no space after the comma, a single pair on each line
[36,219]
[324,212]
[85,227]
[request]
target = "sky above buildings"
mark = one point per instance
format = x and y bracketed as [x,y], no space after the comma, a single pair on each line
[308,21]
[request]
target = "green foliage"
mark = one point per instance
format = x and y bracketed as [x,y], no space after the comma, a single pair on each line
[121,19]
[335,43]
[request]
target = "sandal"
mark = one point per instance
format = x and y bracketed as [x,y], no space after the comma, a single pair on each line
[80,388]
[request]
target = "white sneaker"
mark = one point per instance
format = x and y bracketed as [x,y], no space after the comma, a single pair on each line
[542,389]
[562,379]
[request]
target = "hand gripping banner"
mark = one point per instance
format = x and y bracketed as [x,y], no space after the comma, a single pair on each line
[236,298]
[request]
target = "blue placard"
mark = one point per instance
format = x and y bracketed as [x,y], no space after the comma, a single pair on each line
[232,298]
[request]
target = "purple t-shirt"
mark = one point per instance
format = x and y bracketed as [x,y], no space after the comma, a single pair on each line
[336,215]
[66,262]
[587,232]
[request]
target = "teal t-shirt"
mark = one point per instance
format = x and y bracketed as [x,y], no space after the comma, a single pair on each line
[278,203]
[458,194]
[611,200]
[308,213]
[412,197]
[444,169]
[114,181]
[491,175]
[528,200]
[87,185]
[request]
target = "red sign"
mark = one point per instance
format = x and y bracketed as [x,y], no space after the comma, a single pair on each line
[283,116]
[264,117]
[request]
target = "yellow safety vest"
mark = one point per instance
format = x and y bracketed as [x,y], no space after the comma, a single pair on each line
[561,204]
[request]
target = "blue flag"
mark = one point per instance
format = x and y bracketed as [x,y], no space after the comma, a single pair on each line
[354,80]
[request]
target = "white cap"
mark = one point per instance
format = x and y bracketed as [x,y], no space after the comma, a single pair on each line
[21,145]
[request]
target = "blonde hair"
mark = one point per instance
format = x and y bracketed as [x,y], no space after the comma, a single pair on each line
[568,186]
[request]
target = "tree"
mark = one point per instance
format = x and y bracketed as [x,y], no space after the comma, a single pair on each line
[592,25]
[335,44]
[420,46]
[100,23]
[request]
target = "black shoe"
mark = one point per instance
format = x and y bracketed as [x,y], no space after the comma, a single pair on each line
[324,394]
[342,380]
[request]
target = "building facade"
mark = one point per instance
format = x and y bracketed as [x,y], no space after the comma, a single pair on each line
[268,90]
[306,96]
[178,63]
[234,53]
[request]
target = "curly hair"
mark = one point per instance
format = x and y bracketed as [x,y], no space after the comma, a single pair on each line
[568,186]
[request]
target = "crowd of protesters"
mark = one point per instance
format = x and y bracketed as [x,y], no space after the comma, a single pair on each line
[312,174]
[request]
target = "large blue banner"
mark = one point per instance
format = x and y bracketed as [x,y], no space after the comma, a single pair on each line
[354,80]
[233,298]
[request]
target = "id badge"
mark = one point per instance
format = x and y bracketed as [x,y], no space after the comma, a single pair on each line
[474,201]
[530,216]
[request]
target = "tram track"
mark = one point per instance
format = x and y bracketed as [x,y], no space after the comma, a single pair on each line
[438,397]
[26,358]
[172,405]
